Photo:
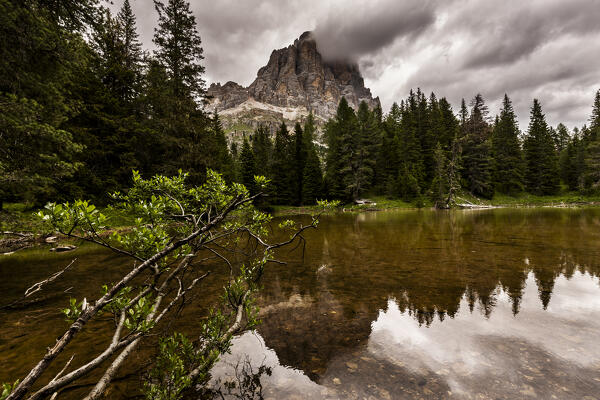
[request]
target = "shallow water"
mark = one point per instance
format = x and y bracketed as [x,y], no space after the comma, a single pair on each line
[482,304]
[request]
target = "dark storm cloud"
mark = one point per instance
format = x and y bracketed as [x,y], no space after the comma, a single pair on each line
[547,49]
[520,30]
[353,32]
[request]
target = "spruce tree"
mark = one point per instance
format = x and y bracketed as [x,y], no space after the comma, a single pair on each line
[561,137]
[312,174]
[542,174]
[42,56]
[363,146]
[184,128]
[247,167]
[179,49]
[387,163]
[299,163]
[282,173]
[506,151]
[262,148]
[591,178]
[476,151]
[570,171]
[439,184]
[340,135]
[221,157]
[410,175]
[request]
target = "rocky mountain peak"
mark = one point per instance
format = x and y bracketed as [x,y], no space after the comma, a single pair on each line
[295,81]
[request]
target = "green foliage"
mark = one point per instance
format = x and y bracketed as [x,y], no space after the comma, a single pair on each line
[506,150]
[73,311]
[542,174]
[476,151]
[282,171]
[7,389]
[169,377]
[247,167]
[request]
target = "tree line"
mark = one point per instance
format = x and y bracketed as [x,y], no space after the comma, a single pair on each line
[422,150]
[82,104]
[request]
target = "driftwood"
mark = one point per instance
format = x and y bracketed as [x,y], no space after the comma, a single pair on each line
[36,287]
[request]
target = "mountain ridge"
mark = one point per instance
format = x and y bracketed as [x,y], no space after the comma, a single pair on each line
[295,81]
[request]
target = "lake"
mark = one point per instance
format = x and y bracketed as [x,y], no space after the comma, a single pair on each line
[478,304]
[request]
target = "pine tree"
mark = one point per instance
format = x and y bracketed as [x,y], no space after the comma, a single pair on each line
[410,174]
[179,49]
[591,177]
[560,137]
[387,163]
[340,135]
[570,170]
[312,174]
[506,151]
[42,55]
[313,179]
[184,127]
[447,126]
[476,154]
[439,184]
[221,161]
[540,155]
[299,163]
[282,168]
[247,167]
[262,148]
[364,146]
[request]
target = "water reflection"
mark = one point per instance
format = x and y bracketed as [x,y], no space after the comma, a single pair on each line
[481,304]
[546,353]
[500,303]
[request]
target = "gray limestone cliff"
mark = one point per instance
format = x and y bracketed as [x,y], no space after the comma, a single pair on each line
[295,81]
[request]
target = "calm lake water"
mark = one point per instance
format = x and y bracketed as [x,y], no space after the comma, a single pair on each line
[488,304]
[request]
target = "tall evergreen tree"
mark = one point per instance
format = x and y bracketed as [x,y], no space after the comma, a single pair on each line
[410,175]
[476,154]
[591,178]
[247,167]
[282,171]
[184,126]
[541,160]
[299,163]
[340,138]
[439,184]
[561,137]
[387,163]
[362,145]
[571,163]
[506,151]
[179,49]
[312,174]
[221,159]
[262,148]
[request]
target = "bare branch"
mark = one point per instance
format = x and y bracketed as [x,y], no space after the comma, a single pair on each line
[38,286]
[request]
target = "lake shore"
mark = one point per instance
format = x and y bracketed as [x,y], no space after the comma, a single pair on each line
[464,201]
[17,219]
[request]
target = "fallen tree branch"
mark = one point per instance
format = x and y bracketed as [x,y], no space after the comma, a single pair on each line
[38,286]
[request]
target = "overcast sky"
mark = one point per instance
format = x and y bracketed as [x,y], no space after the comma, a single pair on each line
[547,49]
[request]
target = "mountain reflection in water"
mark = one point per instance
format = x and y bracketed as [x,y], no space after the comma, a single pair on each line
[543,353]
[487,304]
[492,304]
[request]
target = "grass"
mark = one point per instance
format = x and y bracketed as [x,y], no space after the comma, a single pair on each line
[531,200]
[20,217]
